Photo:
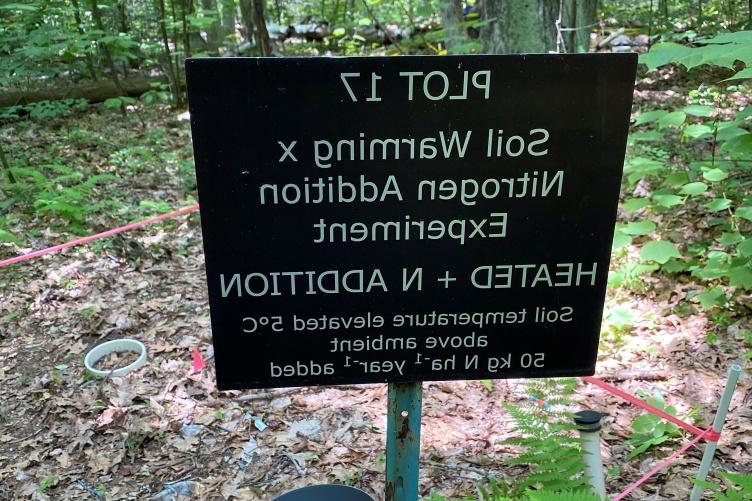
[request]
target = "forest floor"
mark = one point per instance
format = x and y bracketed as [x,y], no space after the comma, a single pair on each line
[64,435]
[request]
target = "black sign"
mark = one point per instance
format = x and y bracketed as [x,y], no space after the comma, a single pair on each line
[410,218]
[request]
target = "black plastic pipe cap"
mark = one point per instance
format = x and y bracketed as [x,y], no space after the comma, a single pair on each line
[587,420]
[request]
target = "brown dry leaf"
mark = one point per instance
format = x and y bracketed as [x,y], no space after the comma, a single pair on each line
[64,460]
[231,489]
[183,444]
[121,320]
[129,469]
[162,347]
[82,437]
[205,418]
[99,463]
[677,487]
[345,474]
[28,489]
[76,347]
[111,415]
[674,343]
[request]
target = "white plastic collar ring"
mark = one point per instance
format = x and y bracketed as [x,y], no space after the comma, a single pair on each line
[115,346]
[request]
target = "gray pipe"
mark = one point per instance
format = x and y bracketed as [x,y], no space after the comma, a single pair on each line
[589,425]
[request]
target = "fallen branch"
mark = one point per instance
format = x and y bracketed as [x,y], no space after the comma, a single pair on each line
[610,38]
[644,375]
[266,395]
[93,92]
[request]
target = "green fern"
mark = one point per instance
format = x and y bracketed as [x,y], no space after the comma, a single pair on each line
[548,441]
[497,492]
[58,190]
[575,495]
[98,178]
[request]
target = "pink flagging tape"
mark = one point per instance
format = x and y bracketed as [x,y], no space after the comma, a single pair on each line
[673,457]
[198,361]
[710,434]
[114,231]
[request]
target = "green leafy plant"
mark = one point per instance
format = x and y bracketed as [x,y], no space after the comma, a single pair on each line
[150,208]
[649,430]
[47,482]
[723,50]
[701,166]
[51,109]
[134,441]
[352,477]
[42,110]
[158,93]
[6,236]
[748,344]
[116,103]
[738,488]
[617,324]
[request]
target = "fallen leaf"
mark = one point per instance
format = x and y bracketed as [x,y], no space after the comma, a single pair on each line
[99,463]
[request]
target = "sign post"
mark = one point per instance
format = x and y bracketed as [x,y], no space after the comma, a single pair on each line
[403,441]
[407,219]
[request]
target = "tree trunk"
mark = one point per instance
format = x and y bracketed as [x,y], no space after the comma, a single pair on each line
[122,16]
[700,16]
[80,29]
[93,92]
[97,16]
[247,17]
[571,20]
[175,57]
[172,74]
[213,32]
[663,7]
[451,20]
[350,7]
[186,32]
[519,26]
[259,19]
[580,14]
[175,41]
[6,166]
[229,13]
[335,11]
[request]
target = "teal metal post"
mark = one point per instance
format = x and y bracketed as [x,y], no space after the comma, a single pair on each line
[403,441]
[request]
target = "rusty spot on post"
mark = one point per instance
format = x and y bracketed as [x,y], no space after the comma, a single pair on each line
[405,430]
